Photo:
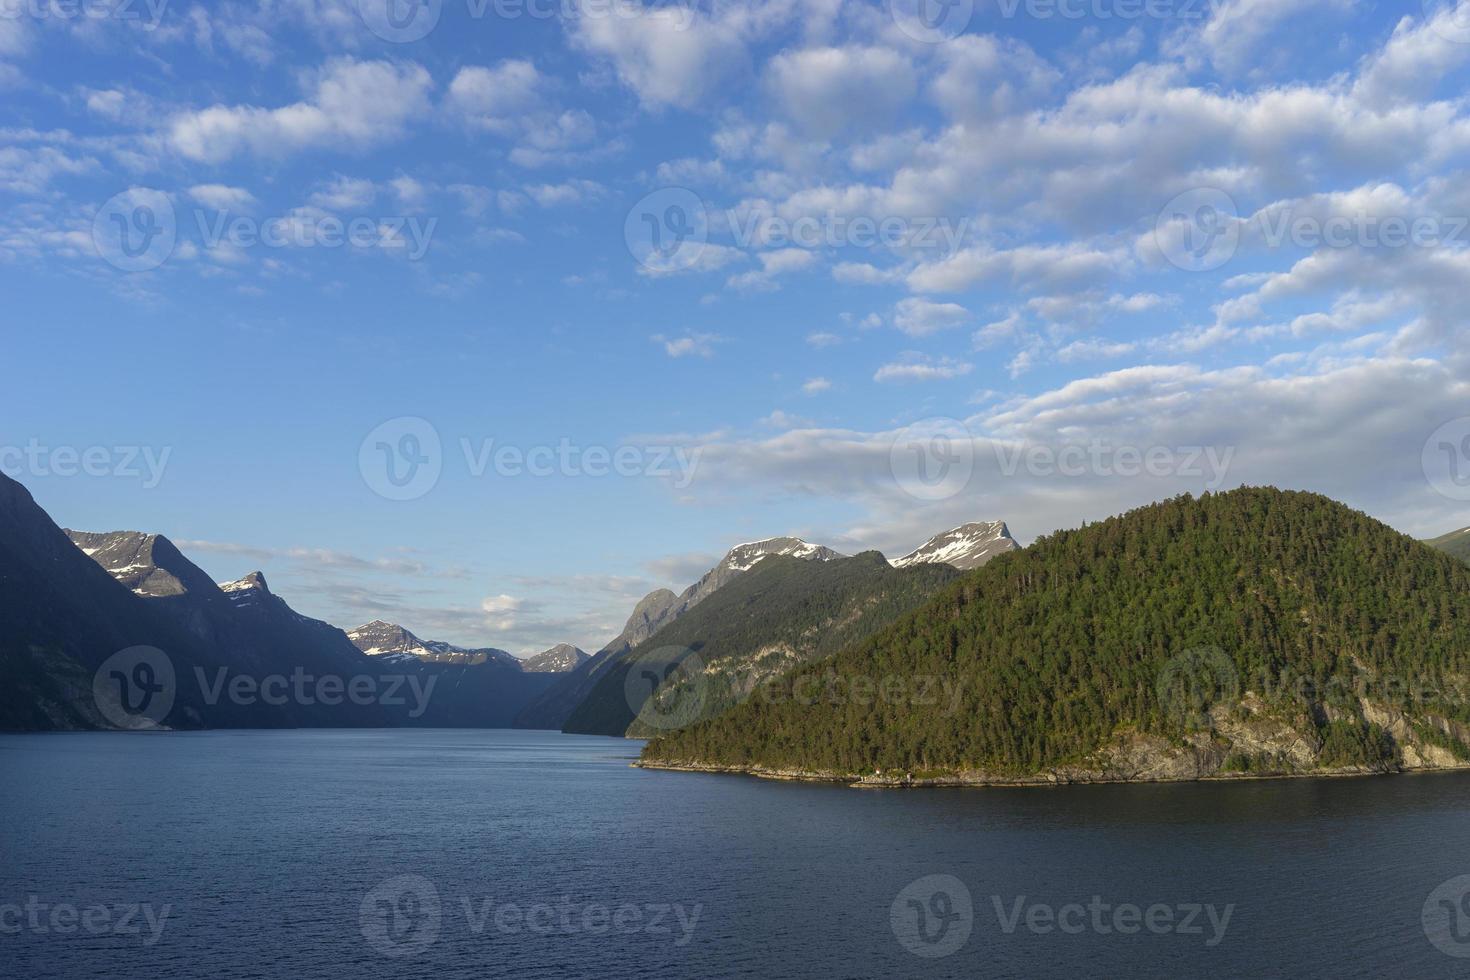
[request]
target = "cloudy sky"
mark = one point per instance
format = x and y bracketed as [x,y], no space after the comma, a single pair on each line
[488,317]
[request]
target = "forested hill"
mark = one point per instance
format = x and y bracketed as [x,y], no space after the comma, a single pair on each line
[782,612]
[1250,631]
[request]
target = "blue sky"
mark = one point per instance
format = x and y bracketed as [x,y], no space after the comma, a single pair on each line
[1081,231]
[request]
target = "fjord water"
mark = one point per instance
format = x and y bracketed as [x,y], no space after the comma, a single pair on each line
[269,852]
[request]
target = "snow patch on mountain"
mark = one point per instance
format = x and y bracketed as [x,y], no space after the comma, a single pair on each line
[965,547]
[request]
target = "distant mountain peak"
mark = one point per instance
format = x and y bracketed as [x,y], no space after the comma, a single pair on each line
[559,659]
[965,547]
[743,556]
[254,582]
[384,639]
[148,564]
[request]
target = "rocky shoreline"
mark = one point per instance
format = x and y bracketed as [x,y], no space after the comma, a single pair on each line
[1052,778]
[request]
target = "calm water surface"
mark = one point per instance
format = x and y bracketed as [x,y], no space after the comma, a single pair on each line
[282,855]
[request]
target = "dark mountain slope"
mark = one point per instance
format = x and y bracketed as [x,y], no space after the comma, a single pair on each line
[782,612]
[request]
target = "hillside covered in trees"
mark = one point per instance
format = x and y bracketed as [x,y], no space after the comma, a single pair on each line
[781,613]
[1255,631]
[1455,543]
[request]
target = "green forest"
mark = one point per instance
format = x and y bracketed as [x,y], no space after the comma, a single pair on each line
[1136,623]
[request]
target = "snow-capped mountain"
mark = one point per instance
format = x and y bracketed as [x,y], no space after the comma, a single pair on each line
[965,547]
[380,639]
[559,659]
[655,611]
[148,564]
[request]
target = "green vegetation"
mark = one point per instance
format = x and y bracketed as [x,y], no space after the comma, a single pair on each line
[783,612]
[1455,543]
[1057,649]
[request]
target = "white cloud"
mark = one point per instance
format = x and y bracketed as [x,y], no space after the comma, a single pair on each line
[678,55]
[831,91]
[222,197]
[356,104]
[919,317]
[914,366]
[815,386]
[344,194]
[697,344]
[575,191]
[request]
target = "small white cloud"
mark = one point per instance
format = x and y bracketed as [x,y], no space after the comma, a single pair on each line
[222,197]
[698,345]
[913,366]
[344,194]
[816,386]
[921,317]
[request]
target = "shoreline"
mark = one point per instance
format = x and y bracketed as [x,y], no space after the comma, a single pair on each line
[1042,781]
